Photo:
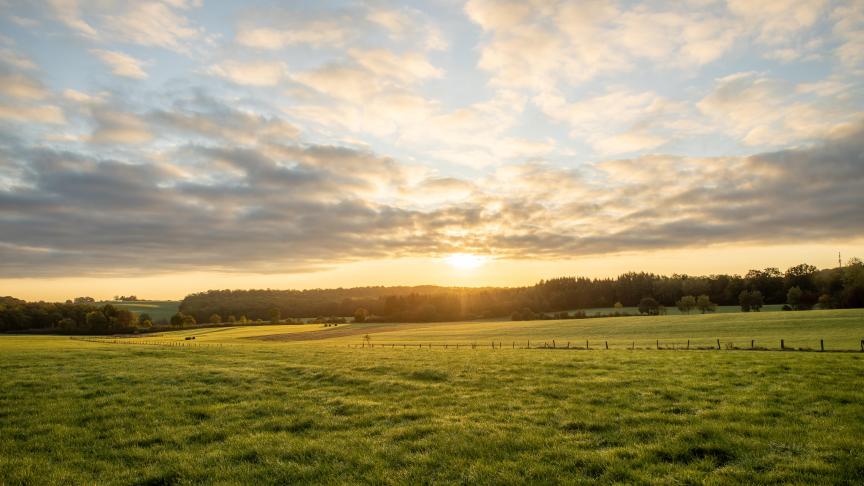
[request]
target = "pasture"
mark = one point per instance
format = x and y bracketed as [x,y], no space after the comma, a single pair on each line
[158,309]
[313,410]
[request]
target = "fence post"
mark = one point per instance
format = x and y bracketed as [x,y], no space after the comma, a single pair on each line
[658,344]
[862,345]
[782,345]
[586,345]
[752,343]
[514,344]
[688,345]
[718,344]
[634,346]
[822,345]
[607,344]
[553,344]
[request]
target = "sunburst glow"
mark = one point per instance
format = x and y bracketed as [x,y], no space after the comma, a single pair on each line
[465,260]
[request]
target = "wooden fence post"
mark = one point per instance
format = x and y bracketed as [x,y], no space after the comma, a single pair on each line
[658,344]
[634,346]
[586,345]
[718,344]
[688,345]
[752,343]
[782,345]
[822,345]
[553,344]
[607,344]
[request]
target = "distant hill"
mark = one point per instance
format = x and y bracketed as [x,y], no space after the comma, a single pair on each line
[159,310]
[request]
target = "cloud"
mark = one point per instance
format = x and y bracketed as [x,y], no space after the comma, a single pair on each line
[15,60]
[48,114]
[251,73]
[121,64]
[620,120]
[776,21]
[401,24]
[849,29]
[213,120]
[317,34]
[764,111]
[69,13]
[152,24]
[145,23]
[22,87]
[407,68]
[548,44]
[115,127]
[276,205]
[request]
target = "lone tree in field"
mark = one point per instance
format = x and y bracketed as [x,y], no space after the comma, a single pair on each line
[793,298]
[360,315]
[215,319]
[750,301]
[704,304]
[686,304]
[649,306]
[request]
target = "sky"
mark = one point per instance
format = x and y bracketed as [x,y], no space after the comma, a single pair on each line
[161,148]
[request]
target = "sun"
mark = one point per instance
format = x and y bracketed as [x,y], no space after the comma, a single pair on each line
[465,261]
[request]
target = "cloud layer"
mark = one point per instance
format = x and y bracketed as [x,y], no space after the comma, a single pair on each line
[162,136]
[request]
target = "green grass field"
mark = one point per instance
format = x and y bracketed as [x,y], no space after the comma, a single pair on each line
[302,408]
[158,309]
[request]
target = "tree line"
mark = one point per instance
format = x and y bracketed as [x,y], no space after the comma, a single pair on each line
[69,317]
[799,287]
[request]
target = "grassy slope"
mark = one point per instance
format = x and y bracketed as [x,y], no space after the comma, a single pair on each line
[157,309]
[841,329]
[256,412]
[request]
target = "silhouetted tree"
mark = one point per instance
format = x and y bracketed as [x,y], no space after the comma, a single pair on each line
[648,306]
[686,304]
[704,304]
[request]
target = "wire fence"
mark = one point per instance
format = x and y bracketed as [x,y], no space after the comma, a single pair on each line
[640,344]
[717,344]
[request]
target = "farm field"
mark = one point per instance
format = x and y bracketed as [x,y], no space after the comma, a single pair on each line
[840,330]
[312,410]
[158,309]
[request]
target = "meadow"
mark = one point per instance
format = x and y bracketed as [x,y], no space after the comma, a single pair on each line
[259,409]
[157,309]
